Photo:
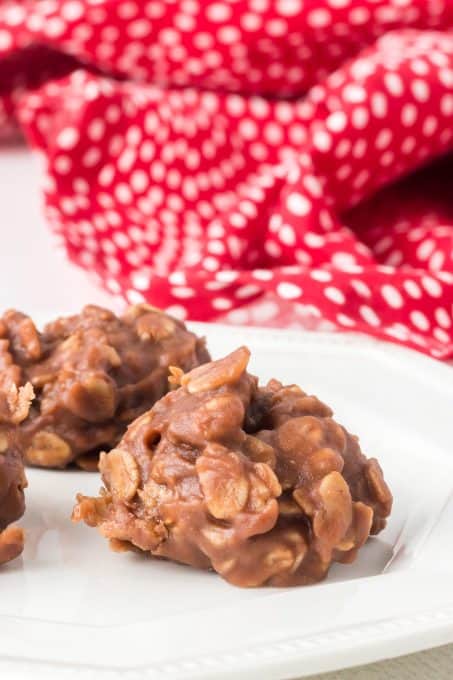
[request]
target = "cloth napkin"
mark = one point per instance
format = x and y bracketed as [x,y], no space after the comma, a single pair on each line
[270,162]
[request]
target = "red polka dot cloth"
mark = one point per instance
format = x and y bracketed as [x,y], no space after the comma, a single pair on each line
[271,162]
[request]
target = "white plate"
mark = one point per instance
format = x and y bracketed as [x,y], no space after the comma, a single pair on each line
[71,608]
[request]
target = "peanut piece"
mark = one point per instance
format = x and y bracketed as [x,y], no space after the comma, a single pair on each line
[376,482]
[48,450]
[94,399]
[11,543]
[324,461]
[259,452]
[224,485]
[224,372]
[3,442]
[300,436]
[135,311]
[155,326]
[334,517]
[29,339]
[120,473]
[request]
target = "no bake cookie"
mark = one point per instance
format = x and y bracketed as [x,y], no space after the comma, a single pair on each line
[92,373]
[260,484]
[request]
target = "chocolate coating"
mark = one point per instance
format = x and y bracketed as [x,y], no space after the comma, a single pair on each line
[258,483]
[93,373]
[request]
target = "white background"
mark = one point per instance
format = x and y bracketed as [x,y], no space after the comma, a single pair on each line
[32,273]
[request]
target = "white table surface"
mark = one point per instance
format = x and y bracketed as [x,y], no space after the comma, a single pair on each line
[34,276]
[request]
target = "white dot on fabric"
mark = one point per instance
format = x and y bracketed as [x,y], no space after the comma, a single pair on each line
[247,291]
[419,320]
[345,320]
[383,138]
[359,15]
[228,35]
[361,288]
[425,249]
[177,311]
[211,264]
[446,277]
[369,315]
[430,126]
[183,292]
[394,84]
[54,27]
[412,288]
[139,180]
[346,262]
[134,297]
[361,179]
[408,145]
[298,204]
[379,105]
[68,138]
[387,158]
[420,90]
[63,164]
[441,335]
[222,303]
[91,157]
[238,316]
[6,40]
[177,278]
[337,121]
[360,117]
[140,280]
[392,296]
[248,128]
[216,247]
[431,286]
[289,7]
[72,10]
[227,276]
[398,331]
[314,240]
[436,261]
[446,104]
[287,235]
[96,129]
[263,274]
[344,172]
[218,12]
[319,18]
[276,27]
[354,93]
[321,275]
[313,185]
[139,28]
[322,140]
[123,193]
[335,295]
[409,114]
[442,317]
[265,311]
[289,291]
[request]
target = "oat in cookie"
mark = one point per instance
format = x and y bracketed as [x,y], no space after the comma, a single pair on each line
[92,373]
[260,484]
